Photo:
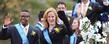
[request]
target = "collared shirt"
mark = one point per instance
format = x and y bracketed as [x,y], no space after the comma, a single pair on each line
[25,29]
[60,21]
[94,1]
[74,13]
[73,38]
[84,8]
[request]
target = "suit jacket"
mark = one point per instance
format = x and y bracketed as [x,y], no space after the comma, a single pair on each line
[56,37]
[12,33]
[79,39]
[69,32]
[74,12]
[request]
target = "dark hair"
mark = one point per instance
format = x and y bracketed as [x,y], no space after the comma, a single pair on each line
[40,15]
[24,10]
[79,1]
[72,20]
[61,3]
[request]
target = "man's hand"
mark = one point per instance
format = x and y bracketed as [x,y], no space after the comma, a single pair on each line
[7,21]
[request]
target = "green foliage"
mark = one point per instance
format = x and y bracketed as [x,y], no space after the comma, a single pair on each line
[69,5]
[52,3]
[12,7]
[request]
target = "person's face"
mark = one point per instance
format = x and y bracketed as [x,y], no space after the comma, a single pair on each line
[75,24]
[51,18]
[61,7]
[24,17]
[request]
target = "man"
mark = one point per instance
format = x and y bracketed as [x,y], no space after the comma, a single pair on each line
[40,25]
[85,6]
[61,6]
[21,33]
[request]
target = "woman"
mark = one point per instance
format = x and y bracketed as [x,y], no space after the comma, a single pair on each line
[75,38]
[53,32]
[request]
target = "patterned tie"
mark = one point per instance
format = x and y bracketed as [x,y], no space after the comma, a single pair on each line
[26,30]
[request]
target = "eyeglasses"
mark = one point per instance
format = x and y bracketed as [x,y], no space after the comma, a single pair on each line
[25,16]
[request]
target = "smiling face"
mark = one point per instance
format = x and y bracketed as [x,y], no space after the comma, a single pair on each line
[24,17]
[75,24]
[51,18]
[61,7]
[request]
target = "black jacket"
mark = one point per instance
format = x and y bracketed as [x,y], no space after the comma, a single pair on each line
[58,37]
[12,33]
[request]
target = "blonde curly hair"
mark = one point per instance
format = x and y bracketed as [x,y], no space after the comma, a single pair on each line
[46,14]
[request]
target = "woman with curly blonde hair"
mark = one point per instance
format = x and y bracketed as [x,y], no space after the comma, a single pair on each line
[50,15]
[53,32]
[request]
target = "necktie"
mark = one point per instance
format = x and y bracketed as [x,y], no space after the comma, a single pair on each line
[74,41]
[26,30]
[84,10]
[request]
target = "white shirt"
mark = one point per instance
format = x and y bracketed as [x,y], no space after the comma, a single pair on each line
[84,8]
[25,29]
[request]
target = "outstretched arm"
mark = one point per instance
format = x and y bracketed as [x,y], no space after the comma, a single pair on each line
[63,17]
[5,32]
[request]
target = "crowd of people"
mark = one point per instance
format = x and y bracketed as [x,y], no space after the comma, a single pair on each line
[87,25]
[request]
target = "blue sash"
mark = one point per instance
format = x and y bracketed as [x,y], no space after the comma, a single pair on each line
[73,39]
[46,36]
[22,34]
[39,26]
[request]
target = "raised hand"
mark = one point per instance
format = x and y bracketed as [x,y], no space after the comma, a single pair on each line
[7,21]
[62,15]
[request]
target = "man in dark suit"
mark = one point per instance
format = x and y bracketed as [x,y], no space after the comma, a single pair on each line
[21,33]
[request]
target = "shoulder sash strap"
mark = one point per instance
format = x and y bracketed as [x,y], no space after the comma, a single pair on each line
[46,36]
[22,34]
